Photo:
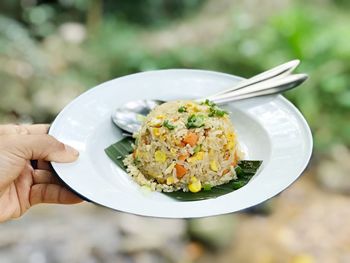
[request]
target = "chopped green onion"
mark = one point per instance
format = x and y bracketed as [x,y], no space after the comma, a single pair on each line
[182,109]
[216,112]
[168,125]
[137,161]
[195,121]
[238,170]
[208,103]
[238,184]
[207,187]
[197,148]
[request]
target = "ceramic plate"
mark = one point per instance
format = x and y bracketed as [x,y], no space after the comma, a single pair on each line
[269,129]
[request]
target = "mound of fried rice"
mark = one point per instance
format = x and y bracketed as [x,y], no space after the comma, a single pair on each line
[184,145]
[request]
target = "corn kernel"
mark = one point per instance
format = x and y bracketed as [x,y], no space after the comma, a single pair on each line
[230,140]
[160,117]
[230,136]
[193,179]
[196,108]
[195,185]
[160,156]
[230,145]
[173,151]
[199,156]
[211,153]
[156,132]
[153,175]
[196,157]
[139,154]
[155,123]
[160,180]
[191,159]
[214,166]
[191,107]
[170,180]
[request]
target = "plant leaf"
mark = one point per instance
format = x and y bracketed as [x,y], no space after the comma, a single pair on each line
[119,150]
[245,170]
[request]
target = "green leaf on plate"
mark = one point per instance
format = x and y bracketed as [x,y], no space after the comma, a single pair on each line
[245,170]
[119,150]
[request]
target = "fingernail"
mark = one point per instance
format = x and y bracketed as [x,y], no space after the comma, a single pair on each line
[71,150]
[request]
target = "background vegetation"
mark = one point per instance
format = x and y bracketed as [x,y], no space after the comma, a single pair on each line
[53,50]
[61,48]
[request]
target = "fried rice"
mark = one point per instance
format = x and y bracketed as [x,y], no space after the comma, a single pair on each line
[184,145]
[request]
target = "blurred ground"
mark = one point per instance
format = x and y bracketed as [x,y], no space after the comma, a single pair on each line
[304,224]
[51,51]
[307,225]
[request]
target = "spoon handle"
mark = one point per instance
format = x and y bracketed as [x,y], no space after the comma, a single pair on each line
[276,72]
[267,87]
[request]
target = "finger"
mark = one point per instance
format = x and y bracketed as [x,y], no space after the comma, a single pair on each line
[42,165]
[38,147]
[45,177]
[52,193]
[24,129]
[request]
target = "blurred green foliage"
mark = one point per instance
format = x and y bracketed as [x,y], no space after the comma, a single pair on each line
[41,68]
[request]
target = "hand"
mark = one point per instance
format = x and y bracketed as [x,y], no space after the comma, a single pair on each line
[21,185]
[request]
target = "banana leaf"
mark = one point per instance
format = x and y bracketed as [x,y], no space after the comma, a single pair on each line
[245,170]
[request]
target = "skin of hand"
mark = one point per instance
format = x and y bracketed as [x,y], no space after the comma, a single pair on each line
[21,184]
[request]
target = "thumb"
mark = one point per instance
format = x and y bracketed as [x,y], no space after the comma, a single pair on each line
[40,147]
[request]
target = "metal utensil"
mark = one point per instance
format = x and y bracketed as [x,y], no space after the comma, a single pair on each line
[130,116]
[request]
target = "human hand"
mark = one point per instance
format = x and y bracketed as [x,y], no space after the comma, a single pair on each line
[21,185]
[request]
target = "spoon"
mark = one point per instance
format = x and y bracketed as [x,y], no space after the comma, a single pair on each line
[130,116]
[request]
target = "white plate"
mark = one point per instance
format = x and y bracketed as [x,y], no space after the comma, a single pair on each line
[269,129]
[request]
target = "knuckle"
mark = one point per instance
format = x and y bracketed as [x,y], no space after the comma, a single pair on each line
[43,193]
[12,129]
[8,142]
[20,129]
[54,144]
[51,145]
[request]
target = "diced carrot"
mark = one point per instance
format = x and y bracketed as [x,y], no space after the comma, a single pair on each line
[183,157]
[227,155]
[191,138]
[225,171]
[180,144]
[235,160]
[180,171]
[145,140]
